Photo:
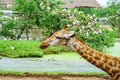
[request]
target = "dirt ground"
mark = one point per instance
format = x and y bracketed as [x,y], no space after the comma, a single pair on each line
[52,78]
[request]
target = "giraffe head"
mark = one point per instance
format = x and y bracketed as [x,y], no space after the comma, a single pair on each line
[58,38]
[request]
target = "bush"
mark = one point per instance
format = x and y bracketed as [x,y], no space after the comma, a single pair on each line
[99,41]
[56,50]
[90,31]
[17,49]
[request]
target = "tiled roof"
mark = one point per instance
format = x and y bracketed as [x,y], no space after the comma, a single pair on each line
[6,2]
[68,3]
[80,3]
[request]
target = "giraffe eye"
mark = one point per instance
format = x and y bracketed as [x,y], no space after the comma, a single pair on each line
[59,37]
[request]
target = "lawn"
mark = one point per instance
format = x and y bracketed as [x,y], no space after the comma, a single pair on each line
[23,48]
[114,51]
[15,49]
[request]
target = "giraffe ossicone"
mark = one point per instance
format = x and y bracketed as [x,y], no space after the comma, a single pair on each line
[107,63]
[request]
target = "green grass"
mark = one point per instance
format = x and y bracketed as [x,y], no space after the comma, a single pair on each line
[12,73]
[56,50]
[17,48]
[50,73]
[65,56]
[25,48]
[114,51]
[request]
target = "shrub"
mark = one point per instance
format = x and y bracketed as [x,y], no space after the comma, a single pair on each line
[90,31]
[56,50]
[20,49]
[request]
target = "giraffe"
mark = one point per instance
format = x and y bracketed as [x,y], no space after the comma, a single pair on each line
[107,63]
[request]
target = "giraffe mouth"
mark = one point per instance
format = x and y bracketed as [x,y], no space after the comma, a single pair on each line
[43,46]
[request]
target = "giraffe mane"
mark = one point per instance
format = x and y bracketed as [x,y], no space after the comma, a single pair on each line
[80,40]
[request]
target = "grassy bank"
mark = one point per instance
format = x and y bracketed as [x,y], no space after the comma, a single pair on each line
[25,48]
[50,73]
[21,49]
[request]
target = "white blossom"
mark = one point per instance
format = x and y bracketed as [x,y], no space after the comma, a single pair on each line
[74,23]
[70,17]
[95,19]
[83,27]
[87,34]
[100,31]
[41,3]
[48,8]
[80,30]
[54,12]
[11,47]
[88,23]
[91,17]
[97,32]
[94,32]
[68,25]
[92,24]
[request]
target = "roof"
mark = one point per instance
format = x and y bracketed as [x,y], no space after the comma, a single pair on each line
[80,3]
[68,3]
[87,3]
[6,2]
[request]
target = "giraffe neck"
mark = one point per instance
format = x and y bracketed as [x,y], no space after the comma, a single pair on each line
[107,63]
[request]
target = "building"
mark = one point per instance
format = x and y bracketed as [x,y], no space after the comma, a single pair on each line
[6,3]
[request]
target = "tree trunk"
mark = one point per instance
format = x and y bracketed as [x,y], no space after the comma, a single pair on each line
[21,32]
[27,34]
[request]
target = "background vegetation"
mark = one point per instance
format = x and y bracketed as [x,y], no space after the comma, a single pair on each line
[48,16]
[21,49]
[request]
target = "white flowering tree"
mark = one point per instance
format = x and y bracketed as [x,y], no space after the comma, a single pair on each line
[47,15]
[89,30]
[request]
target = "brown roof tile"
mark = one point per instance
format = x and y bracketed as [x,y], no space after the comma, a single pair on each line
[80,3]
[68,3]
[6,2]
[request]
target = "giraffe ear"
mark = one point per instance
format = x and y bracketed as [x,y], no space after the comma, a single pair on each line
[65,27]
[71,33]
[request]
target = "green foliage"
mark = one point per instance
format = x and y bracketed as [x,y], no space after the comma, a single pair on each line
[38,13]
[98,41]
[47,15]
[20,49]
[7,30]
[89,30]
[33,14]
[114,18]
[56,50]
[112,12]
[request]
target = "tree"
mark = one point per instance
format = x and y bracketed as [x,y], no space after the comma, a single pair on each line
[114,13]
[111,12]
[88,29]
[34,13]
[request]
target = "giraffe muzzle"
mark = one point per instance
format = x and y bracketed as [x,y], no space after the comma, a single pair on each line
[43,46]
